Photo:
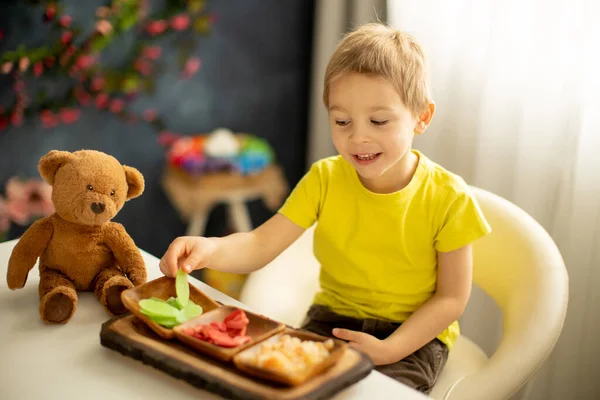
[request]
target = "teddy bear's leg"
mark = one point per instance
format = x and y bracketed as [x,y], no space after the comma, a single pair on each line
[58,297]
[109,284]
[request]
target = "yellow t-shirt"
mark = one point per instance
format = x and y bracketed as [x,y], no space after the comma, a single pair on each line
[378,252]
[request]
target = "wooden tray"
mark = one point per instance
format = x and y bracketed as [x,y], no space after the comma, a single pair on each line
[131,337]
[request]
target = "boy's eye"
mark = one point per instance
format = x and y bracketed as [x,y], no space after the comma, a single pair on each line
[378,123]
[341,122]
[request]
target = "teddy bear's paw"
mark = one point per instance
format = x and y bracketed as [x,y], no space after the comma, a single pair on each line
[112,294]
[58,306]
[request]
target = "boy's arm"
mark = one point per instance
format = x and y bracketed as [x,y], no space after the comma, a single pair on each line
[245,252]
[239,253]
[435,315]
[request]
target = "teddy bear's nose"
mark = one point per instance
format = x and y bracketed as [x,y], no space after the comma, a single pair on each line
[98,208]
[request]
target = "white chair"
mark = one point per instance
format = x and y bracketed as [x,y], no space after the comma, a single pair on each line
[518,266]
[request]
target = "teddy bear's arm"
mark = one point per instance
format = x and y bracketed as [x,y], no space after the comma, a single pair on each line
[126,253]
[26,252]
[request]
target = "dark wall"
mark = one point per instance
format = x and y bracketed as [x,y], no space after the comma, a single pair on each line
[254,78]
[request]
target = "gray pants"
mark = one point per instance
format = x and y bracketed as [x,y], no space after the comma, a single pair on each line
[419,370]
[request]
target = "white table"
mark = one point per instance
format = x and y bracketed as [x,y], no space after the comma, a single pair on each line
[39,361]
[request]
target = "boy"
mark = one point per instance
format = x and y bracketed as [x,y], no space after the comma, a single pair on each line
[394,229]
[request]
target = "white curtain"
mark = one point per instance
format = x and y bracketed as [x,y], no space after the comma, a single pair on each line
[517,88]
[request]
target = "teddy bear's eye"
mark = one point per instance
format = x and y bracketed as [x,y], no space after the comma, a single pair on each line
[90,187]
[112,192]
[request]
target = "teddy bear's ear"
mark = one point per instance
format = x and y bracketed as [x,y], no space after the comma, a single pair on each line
[51,162]
[135,181]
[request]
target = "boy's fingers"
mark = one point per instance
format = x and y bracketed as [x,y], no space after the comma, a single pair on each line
[345,334]
[173,253]
[164,269]
[193,261]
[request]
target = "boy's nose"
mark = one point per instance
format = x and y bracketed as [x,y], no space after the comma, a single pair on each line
[358,137]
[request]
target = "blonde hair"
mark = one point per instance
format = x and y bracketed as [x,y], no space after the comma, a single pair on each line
[377,49]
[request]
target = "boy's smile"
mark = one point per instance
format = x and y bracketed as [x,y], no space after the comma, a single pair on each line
[366,159]
[373,130]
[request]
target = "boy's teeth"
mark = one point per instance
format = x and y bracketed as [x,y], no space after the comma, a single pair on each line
[366,156]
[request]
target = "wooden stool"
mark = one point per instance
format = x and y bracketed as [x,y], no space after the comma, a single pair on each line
[195,196]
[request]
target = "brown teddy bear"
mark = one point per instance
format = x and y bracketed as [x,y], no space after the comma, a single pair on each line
[80,249]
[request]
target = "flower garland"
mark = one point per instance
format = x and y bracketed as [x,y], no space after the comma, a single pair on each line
[77,57]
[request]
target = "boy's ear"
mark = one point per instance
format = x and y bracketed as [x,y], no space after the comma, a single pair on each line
[425,118]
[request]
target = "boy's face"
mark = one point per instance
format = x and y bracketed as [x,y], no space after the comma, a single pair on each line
[370,125]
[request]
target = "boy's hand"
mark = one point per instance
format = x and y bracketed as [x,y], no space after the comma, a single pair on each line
[188,253]
[373,347]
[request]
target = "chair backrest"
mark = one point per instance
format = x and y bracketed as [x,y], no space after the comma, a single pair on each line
[520,267]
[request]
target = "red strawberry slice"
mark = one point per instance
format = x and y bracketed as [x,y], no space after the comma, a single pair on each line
[236,320]
[219,325]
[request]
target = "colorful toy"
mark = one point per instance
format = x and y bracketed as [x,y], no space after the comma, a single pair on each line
[220,151]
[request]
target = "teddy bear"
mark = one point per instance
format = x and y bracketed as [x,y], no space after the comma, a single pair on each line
[79,247]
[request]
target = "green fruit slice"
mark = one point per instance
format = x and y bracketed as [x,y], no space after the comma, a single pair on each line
[158,308]
[173,302]
[180,318]
[182,288]
[192,310]
[166,321]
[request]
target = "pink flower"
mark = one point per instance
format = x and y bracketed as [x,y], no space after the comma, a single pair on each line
[117,105]
[19,85]
[97,83]
[16,119]
[69,115]
[143,67]
[50,12]
[38,68]
[103,12]
[149,114]
[3,122]
[191,67]
[6,67]
[104,27]
[65,21]
[66,37]
[83,97]
[84,62]
[152,52]
[180,22]
[102,100]
[27,199]
[49,120]
[4,217]
[157,27]
[23,64]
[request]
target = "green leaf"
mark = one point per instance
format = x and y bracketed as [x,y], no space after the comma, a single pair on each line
[128,21]
[202,24]
[100,42]
[130,84]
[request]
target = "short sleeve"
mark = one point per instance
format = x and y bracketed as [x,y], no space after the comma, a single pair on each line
[303,204]
[463,222]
